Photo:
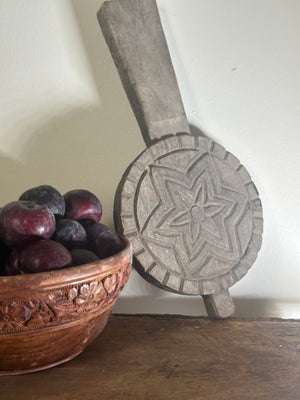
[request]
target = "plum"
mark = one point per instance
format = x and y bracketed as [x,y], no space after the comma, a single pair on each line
[93,231]
[11,266]
[22,222]
[102,241]
[86,222]
[47,196]
[82,256]
[44,255]
[81,204]
[70,233]
[4,252]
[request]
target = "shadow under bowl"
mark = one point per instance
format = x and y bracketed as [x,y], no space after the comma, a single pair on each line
[50,317]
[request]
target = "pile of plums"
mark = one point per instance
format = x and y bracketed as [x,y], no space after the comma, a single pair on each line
[44,230]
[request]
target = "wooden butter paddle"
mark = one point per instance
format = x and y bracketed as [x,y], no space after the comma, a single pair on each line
[189,208]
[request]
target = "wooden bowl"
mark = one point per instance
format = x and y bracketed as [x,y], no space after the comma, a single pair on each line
[50,317]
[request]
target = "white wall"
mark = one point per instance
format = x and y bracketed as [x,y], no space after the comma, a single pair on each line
[65,119]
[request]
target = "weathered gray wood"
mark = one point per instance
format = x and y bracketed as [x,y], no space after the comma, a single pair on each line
[189,208]
[193,216]
[136,40]
[220,305]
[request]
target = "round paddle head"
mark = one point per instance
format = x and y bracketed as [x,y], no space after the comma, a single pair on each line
[192,214]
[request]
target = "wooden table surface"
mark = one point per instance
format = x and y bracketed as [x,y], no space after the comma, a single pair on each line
[174,357]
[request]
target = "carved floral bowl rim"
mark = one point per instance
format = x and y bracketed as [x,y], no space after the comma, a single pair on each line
[46,300]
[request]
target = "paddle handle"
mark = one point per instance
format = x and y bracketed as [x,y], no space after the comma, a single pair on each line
[134,34]
[219,305]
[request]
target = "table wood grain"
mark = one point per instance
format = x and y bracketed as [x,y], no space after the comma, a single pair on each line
[175,357]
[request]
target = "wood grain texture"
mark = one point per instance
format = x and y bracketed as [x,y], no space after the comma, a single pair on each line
[220,304]
[171,358]
[138,46]
[189,208]
[193,216]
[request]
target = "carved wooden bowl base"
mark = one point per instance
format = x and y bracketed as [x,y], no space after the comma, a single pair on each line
[62,350]
[49,318]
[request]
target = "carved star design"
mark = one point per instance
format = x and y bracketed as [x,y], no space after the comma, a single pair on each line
[194,212]
[196,216]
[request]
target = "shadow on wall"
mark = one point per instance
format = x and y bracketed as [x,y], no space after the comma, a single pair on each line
[77,149]
[88,146]
[98,55]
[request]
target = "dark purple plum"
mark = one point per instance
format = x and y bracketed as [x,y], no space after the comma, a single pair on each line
[102,241]
[22,222]
[86,222]
[81,204]
[83,256]
[44,255]
[47,196]
[70,233]
[11,266]
[93,231]
[4,252]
